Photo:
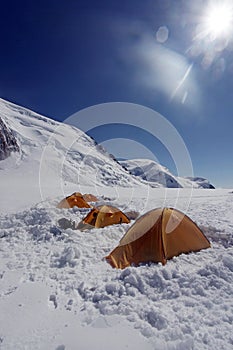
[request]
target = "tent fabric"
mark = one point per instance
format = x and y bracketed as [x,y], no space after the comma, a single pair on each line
[88,197]
[74,200]
[157,236]
[102,216]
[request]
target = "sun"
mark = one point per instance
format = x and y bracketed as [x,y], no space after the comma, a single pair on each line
[213,33]
[218,20]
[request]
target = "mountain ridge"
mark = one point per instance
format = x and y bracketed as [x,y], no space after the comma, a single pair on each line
[39,137]
[156,173]
[50,152]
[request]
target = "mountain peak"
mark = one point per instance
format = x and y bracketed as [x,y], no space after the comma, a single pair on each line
[54,154]
[157,174]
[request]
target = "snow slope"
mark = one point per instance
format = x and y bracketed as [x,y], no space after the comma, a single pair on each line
[156,174]
[57,159]
[54,156]
[57,291]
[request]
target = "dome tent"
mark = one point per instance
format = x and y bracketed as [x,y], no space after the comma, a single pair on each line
[102,216]
[157,236]
[88,197]
[74,200]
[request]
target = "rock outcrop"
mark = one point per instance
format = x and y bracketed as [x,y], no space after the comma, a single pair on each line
[8,142]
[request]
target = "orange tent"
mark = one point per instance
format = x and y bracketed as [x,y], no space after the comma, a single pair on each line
[102,216]
[75,200]
[88,197]
[158,236]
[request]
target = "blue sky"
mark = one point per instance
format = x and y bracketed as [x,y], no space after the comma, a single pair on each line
[58,57]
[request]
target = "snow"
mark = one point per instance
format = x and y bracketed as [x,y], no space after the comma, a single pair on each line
[54,158]
[58,292]
[151,171]
[158,175]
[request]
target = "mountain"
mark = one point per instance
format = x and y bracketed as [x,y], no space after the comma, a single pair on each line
[156,174]
[52,158]
[201,182]
[151,171]
[47,158]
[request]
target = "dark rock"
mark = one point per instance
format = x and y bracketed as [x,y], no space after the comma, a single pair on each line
[8,142]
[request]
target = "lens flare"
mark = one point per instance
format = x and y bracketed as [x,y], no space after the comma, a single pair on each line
[218,20]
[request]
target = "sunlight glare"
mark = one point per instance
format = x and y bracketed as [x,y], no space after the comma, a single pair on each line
[219,19]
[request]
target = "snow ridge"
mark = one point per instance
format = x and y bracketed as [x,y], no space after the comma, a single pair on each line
[158,175]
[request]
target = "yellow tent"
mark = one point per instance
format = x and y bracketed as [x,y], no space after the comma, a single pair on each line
[102,216]
[158,236]
[75,200]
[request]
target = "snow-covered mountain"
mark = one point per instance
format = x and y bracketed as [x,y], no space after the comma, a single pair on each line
[201,182]
[44,141]
[52,159]
[151,171]
[156,173]
[49,154]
